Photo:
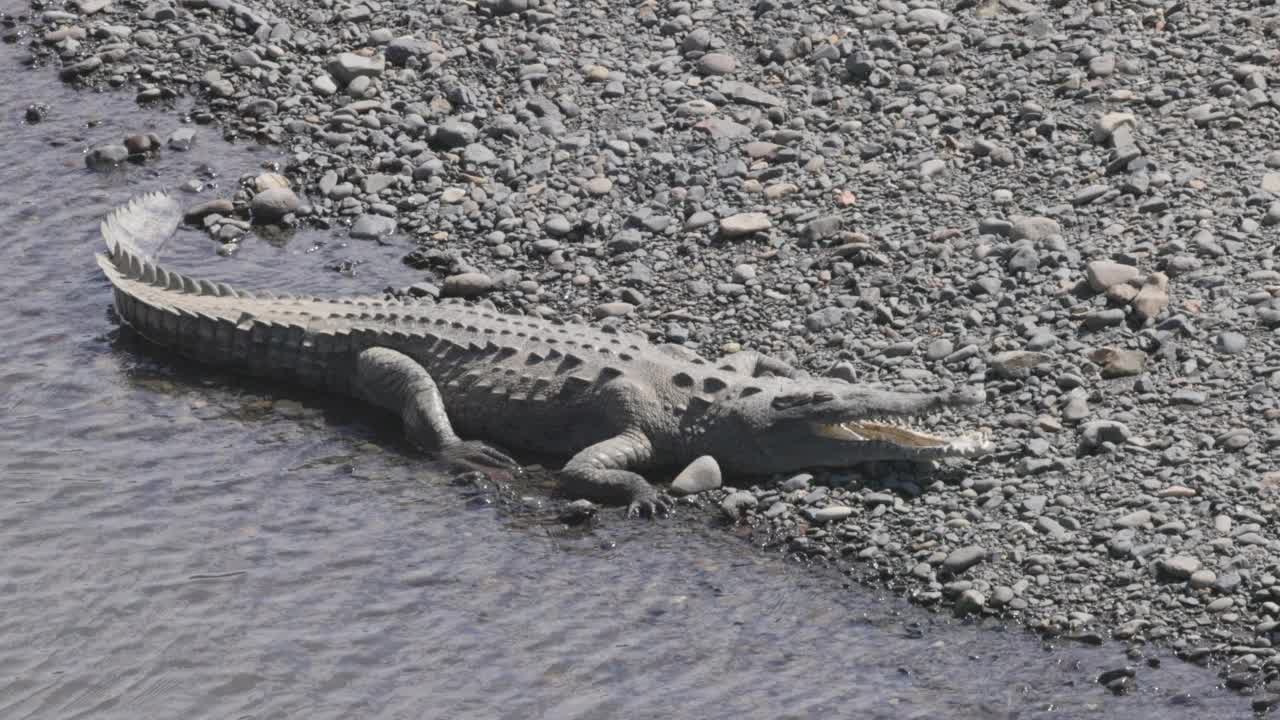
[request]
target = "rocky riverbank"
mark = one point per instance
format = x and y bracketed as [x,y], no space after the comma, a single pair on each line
[1071,203]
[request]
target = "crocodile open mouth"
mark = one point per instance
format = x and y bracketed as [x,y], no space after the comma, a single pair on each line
[900,433]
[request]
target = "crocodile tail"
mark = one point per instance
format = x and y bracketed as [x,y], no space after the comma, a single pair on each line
[210,322]
[165,306]
[135,233]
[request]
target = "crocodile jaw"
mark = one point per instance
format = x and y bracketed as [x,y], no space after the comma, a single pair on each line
[910,440]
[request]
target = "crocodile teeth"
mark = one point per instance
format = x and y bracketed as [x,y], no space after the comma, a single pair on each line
[901,433]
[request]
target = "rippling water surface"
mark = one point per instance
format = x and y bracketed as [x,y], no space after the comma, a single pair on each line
[177,544]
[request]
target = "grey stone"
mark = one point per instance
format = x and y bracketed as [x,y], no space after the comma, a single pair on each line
[832,513]
[1104,273]
[106,156]
[348,66]
[456,134]
[742,224]
[273,204]
[970,602]
[1034,228]
[737,503]
[470,284]
[402,50]
[701,475]
[1179,567]
[182,139]
[797,482]
[373,227]
[717,64]
[964,558]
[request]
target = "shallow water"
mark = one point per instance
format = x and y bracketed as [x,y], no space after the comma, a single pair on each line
[178,544]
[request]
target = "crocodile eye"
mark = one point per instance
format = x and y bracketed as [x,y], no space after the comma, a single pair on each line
[783,402]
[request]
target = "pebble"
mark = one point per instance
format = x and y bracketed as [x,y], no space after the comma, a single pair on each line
[742,224]
[717,64]
[466,285]
[964,558]
[598,186]
[736,503]
[832,513]
[456,134]
[182,139]
[1232,343]
[1153,298]
[699,476]
[106,156]
[1179,567]
[1103,274]
[348,66]
[614,309]
[970,602]
[1201,579]
[1122,363]
[1037,229]
[273,204]
[372,227]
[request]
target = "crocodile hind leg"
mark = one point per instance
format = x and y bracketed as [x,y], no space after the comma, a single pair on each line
[396,382]
[755,364]
[600,472]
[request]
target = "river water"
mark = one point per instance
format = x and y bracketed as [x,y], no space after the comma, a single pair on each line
[180,544]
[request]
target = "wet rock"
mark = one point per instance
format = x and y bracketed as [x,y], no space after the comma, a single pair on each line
[218,206]
[139,145]
[578,512]
[970,602]
[1119,681]
[373,227]
[182,139]
[273,205]
[736,503]
[106,156]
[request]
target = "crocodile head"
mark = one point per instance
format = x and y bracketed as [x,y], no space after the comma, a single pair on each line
[776,425]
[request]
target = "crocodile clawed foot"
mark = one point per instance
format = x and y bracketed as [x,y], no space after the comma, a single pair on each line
[651,505]
[474,452]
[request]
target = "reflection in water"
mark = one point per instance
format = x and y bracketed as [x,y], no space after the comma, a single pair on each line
[185,544]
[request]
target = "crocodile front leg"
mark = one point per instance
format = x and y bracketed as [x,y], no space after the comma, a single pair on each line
[600,472]
[756,364]
[396,382]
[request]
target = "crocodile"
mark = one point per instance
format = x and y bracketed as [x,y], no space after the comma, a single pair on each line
[614,404]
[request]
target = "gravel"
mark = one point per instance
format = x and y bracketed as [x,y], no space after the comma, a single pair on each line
[1071,204]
